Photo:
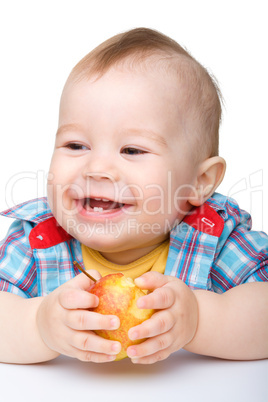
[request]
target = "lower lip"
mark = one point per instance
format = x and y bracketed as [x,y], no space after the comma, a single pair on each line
[101,215]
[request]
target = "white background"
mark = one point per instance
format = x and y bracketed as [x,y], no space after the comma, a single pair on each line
[183,377]
[42,41]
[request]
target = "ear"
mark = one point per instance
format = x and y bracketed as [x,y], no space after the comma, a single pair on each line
[209,176]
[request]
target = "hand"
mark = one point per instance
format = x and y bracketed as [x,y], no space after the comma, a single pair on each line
[66,326]
[172,326]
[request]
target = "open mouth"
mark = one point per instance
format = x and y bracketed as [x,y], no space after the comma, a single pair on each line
[101,205]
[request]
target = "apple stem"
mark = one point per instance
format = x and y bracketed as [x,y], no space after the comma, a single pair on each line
[84,272]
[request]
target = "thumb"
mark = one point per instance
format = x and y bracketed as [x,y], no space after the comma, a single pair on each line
[151,280]
[84,282]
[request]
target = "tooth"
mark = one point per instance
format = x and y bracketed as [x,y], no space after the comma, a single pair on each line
[97,209]
[97,199]
[105,200]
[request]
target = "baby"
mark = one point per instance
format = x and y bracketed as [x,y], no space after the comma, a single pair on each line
[131,189]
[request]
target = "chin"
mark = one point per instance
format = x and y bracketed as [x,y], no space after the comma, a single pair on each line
[102,243]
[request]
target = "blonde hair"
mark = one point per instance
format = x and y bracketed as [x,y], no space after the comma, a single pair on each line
[201,94]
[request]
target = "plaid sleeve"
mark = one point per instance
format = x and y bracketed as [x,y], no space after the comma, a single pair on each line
[17,265]
[242,259]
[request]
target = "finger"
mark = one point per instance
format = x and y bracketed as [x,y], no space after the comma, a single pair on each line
[88,356]
[89,320]
[91,342]
[95,357]
[160,298]
[83,282]
[150,346]
[73,298]
[94,273]
[154,358]
[152,280]
[159,323]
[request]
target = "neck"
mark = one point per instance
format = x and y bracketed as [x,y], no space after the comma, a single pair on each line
[127,256]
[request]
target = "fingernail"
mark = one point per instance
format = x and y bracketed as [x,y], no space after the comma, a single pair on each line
[140,303]
[139,281]
[116,347]
[133,335]
[115,323]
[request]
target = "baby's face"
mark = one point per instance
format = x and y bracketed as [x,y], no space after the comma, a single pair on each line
[121,172]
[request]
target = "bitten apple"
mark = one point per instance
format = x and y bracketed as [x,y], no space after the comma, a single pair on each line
[118,296]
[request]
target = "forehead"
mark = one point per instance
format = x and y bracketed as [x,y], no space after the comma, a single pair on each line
[125,101]
[197,95]
[157,91]
[153,74]
[123,74]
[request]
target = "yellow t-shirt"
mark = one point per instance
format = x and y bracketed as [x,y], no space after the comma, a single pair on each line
[154,261]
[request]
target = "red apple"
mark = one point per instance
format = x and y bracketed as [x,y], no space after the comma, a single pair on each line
[118,296]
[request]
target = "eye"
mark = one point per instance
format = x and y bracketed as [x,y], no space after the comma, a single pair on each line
[75,146]
[133,151]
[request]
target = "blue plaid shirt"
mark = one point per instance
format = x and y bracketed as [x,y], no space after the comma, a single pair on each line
[213,248]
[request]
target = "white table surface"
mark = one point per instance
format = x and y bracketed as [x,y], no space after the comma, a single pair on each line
[183,377]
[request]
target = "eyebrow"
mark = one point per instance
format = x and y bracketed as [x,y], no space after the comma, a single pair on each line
[68,127]
[136,131]
[148,134]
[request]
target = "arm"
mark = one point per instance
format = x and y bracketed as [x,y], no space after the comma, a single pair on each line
[20,341]
[233,325]
[39,329]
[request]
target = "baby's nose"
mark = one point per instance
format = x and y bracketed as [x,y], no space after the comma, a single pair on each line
[100,176]
[101,166]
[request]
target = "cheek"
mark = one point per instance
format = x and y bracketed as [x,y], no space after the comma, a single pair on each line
[60,170]
[181,193]
[167,195]
[57,202]
[58,188]
[155,193]
[155,201]
[61,175]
